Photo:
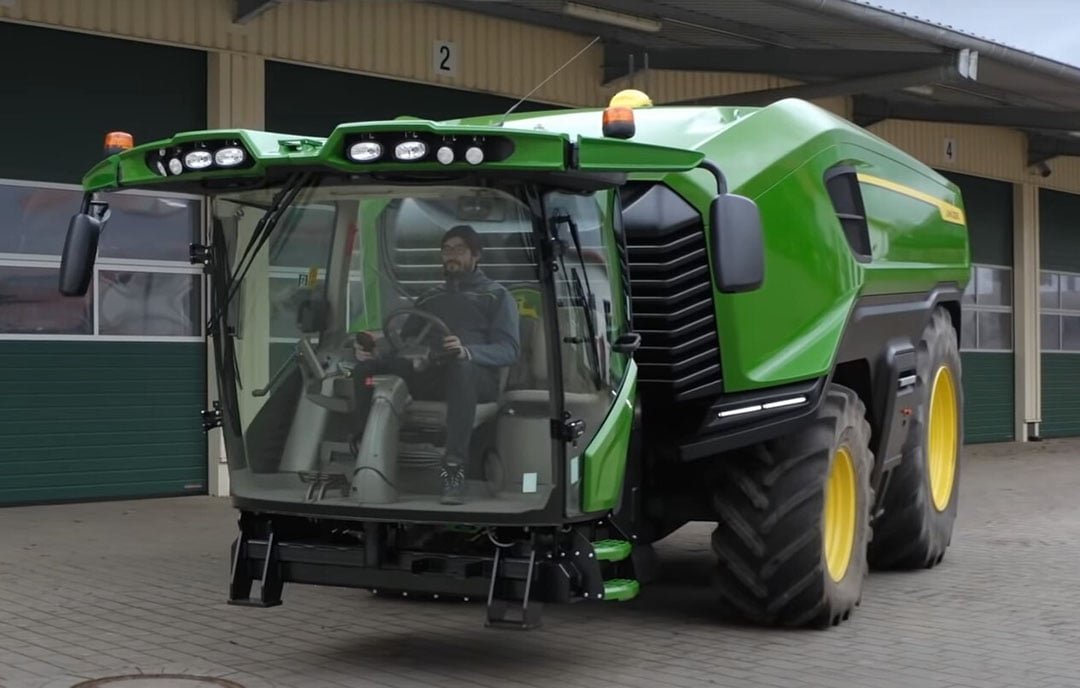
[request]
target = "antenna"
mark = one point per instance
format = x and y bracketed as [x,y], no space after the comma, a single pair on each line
[549,78]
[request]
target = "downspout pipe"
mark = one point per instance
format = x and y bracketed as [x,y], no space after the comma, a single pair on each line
[924,30]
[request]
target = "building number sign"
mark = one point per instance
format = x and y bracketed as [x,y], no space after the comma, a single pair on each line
[950,150]
[445,58]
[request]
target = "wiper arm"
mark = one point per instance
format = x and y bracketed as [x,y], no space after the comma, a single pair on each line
[282,200]
[584,295]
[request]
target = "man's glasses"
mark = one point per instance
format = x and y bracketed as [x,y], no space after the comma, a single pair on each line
[456,250]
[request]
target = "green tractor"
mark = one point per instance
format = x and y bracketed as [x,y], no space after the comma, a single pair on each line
[497,358]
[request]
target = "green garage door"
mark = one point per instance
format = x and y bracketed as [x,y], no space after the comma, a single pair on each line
[986,340]
[101,395]
[311,101]
[1059,256]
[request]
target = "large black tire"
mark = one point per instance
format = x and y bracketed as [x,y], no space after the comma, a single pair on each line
[914,532]
[771,536]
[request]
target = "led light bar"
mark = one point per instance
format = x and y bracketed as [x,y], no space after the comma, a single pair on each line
[380,147]
[199,156]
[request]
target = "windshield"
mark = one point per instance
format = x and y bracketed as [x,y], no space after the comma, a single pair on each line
[390,345]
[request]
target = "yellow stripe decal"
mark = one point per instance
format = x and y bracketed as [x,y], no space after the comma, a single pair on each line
[949,212]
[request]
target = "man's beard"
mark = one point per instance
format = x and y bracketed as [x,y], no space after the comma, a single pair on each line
[453,269]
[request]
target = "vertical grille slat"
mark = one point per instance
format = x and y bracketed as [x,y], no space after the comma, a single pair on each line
[671,294]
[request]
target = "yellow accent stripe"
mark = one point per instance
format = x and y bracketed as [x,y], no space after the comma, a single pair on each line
[949,212]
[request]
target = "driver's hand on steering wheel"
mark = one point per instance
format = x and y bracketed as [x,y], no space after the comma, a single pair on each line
[360,349]
[453,344]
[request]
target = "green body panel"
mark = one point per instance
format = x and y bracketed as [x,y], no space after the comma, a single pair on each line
[1060,402]
[101,420]
[775,155]
[605,457]
[988,396]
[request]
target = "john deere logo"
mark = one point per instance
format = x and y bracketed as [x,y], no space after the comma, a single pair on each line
[528,303]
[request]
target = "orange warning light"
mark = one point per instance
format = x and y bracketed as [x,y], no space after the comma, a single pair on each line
[118,141]
[619,122]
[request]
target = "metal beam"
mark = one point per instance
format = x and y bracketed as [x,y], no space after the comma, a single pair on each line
[556,20]
[961,67]
[797,62]
[865,15]
[1042,147]
[877,109]
[670,13]
[246,10]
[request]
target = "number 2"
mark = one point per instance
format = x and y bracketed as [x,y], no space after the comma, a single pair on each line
[444,50]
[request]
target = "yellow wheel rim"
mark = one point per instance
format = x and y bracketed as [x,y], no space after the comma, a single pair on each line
[840,509]
[942,438]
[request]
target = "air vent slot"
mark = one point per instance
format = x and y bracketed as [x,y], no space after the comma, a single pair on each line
[671,294]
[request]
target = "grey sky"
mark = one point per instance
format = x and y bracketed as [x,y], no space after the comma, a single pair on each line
[1044,27]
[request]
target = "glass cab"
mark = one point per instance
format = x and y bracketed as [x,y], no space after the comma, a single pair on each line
[415,351]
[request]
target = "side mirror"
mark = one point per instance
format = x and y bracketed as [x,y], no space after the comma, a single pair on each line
[80,251]
[738,250]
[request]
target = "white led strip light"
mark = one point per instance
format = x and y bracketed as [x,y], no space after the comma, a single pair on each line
[794,401]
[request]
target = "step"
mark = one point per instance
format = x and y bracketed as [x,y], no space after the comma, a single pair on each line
[621,589]
[611,550]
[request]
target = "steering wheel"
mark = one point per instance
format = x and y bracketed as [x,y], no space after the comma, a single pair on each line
[414,347]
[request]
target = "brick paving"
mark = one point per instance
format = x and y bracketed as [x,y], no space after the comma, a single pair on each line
[92,590]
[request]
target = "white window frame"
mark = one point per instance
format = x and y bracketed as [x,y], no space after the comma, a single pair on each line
[1057,312]
[52,261]
[977,308]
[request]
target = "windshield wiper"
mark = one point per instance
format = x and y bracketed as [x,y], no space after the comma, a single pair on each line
[583,294]
[282,200]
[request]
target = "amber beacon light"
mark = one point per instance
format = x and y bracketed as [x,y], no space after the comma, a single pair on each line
[117,142]
[619,114]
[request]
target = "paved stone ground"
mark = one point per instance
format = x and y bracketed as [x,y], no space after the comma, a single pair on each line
[97,589]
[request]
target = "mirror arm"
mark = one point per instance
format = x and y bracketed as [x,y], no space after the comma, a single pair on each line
[717,173]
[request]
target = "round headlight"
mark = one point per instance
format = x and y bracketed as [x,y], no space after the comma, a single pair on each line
[175,166]
[445,154]
[365,151]
[474,155]
[197,160]
[410,150]
[229,157]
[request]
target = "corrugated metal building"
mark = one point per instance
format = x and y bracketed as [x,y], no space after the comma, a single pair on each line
[101,396]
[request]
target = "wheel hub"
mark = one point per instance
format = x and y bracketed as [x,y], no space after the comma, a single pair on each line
[840,514]
[942,438]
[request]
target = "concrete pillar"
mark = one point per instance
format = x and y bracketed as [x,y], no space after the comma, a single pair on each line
[236,94]
[1026,329]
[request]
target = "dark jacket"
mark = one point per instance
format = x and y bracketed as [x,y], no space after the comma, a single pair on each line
[481,313]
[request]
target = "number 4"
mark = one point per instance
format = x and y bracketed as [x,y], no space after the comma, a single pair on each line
[446,58]
[950,149]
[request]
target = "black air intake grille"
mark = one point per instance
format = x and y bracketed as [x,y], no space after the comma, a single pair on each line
[671,294]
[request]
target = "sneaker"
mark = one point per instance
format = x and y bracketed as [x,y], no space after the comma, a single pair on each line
[453,480]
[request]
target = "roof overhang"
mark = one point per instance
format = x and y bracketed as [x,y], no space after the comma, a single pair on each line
[892,66]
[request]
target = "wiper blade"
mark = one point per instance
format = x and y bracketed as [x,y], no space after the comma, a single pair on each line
[282,200]
[583,295]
